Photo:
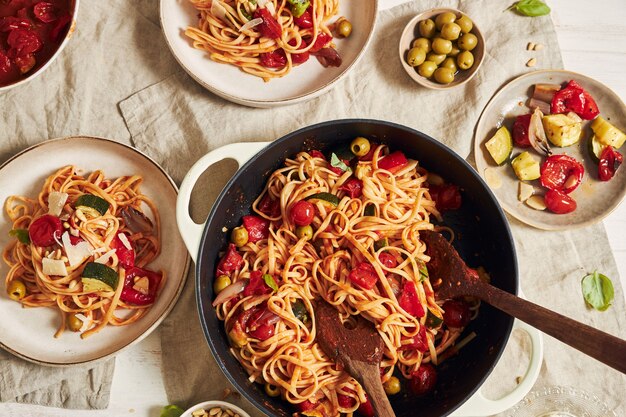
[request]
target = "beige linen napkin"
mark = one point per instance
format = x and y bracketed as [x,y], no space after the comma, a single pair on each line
[110,56]
[176,121]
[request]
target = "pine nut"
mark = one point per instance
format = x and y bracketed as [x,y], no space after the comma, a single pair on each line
[530,46]
[538,47]
[531,62]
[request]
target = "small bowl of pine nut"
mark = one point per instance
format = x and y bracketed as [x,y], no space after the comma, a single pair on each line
[215,409]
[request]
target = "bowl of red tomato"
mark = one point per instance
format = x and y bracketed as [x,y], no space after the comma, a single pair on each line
[32,35]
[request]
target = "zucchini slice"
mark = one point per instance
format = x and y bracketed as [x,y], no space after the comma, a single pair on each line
[326,197]
[595,148]
[89,202]
[99,277]
[500,145]
[432,320]
[381,243]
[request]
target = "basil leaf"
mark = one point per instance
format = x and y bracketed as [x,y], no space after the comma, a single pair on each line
[298,7]
[532,8]
[269,280]
[21,235]
[597,290]
[338,163]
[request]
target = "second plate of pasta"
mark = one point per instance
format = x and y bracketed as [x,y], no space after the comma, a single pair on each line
[82,233]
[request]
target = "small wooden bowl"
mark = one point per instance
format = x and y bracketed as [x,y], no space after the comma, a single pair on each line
[411,33]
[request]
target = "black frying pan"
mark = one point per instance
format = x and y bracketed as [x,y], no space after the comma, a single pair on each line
[483,239]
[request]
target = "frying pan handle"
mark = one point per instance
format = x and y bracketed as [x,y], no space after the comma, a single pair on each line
[478,405]
[190,230]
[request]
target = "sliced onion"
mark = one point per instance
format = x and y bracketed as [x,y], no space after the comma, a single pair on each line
[136,220]
[270,8]
[536,133]
[268,318]
[262,3]
[545,92]
[251,23]
[538,104]
[230,292]
[219,11]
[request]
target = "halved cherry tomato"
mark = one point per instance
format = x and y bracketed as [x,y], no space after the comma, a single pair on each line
[445,196]
[274,59]
[520,130]
[409,300]
[388,260]
[366,409]
[364,275]
[393,161]
[45,231]
[456,313]
[270,28]
[126,256]
[559,203]
[23,42]
[261,323]
[610,160]
[574,98]
[423,380]
[345,401]
[44,11]
[305,21]
[231,261]
[257,227]
[269,206]
[302,213]
[354,187]
[321,41]
[562,173]
[256,285]
[131,295]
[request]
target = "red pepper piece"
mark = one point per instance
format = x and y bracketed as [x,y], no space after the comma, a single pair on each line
[131,295]
[256,285]
[364,275]
[559,203]
[393,161]
[274,59]
[610,160]
[45,11]
[301,58]
[446,196]
[354,187]
[520,130]
[423,380]
[321,41]
[45,231]
[562,173]
[126,256]
[258,228]
[230,262]
[574,98]
[269,206]
[270,28]
[409,300]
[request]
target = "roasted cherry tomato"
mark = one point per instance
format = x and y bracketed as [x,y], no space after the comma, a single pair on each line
[23,42]
[354,187]
[256,285]
[258,228]
[301,58]
[305,405]
[559,203]
[423,380]
[419,342]
[610,160]
[446,196]
[366,409]
[388,260]
[520,130]
[305,21]
[261,323]
[269,28]
[393,161]
[231,261]
[574,98]
[364,275]
[44,11]
[456,313]
[561,173]
[302,213]
[131,295]
[409,300]
[126,256]
[25,63]
[269,206]
[45,231]
[345,401]
[274,59]
[321,41]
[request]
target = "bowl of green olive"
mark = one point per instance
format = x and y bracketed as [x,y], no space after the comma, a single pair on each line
[441,48]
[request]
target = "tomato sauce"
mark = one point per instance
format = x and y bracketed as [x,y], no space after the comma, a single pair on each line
[31,31]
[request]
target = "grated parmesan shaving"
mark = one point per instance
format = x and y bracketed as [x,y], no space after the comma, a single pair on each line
[76,253]
[56,201]
[105,258]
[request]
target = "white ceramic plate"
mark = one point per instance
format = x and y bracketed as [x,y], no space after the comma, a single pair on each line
[595,199]
[302,83]
[29,332]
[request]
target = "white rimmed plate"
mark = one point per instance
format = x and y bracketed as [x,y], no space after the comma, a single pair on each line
[29,332]
[595,199]
[304,82]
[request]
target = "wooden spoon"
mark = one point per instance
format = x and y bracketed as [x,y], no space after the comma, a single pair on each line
[358,350]
[457,279]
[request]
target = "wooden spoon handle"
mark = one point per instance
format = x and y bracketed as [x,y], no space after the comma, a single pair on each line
[591,341]
[369,377]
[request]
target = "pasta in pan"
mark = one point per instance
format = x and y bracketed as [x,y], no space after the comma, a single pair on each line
[82,247]
[345,232]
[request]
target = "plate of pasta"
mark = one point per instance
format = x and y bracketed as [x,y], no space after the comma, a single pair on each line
[82,236]
[266,53]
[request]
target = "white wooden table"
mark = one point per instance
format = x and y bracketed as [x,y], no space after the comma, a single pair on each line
[592,36]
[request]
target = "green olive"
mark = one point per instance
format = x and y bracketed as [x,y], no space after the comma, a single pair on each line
[426,28]
[422,43]
[443,18]
[427,69]
[239,236]
[468,42]
[345,28]
[272,390]
[360,146]
[74,323]
[465,60]
[304,232]
[415,57]
[465,23]
[16,290]
[450,31]
[455,51]
[444,75]
[220,283]
[436,58]
[442,46]
[392,386]
[449,63]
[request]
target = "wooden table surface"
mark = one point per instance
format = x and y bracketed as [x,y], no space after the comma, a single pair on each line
[592,36]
